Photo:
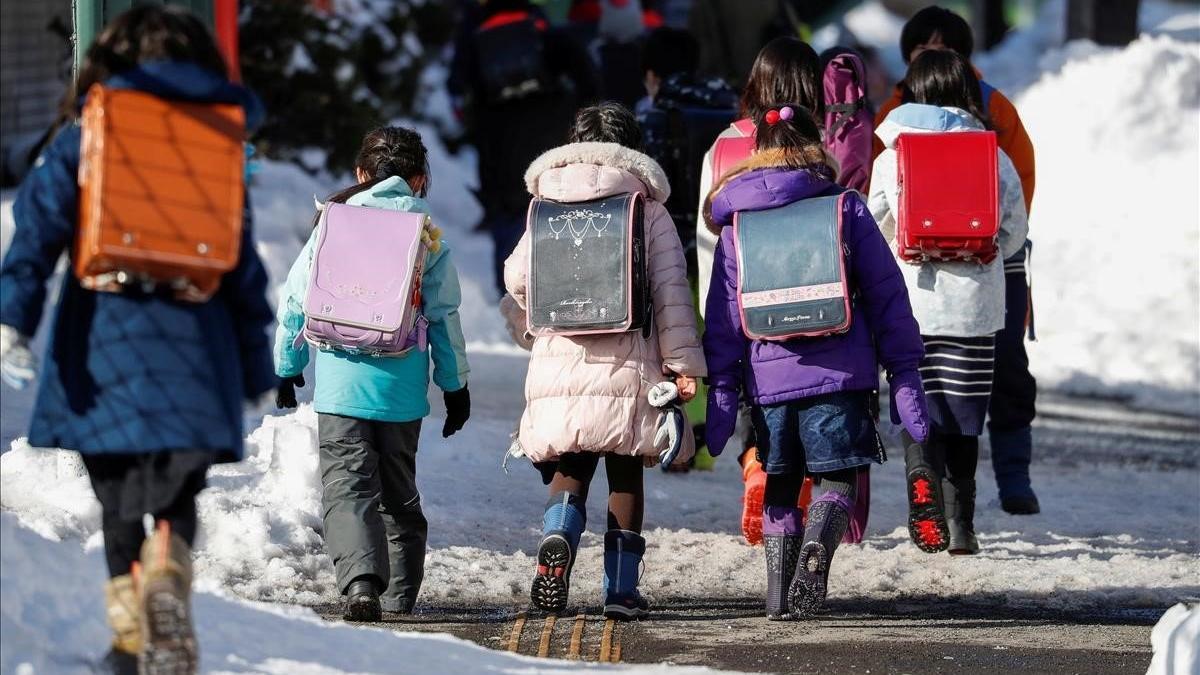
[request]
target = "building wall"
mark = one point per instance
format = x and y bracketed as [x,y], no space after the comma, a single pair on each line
[32,60]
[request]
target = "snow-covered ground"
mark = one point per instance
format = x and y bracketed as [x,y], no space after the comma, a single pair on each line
[1116,221]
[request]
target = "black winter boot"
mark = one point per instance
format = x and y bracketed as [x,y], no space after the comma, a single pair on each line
[828,518]
[923,468]
[362,600]
[960,515]
[783,551]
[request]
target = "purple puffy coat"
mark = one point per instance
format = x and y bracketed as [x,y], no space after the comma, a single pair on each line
[882,328]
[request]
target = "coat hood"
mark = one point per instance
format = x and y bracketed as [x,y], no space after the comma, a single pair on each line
[185,81]
[759,183]
[390,193]
[582,171]
[919,117]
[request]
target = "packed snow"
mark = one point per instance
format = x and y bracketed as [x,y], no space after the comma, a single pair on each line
[1115,281]
[59,627]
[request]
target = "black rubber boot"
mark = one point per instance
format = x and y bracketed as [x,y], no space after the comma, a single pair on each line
[828,518]
[783,551]
[362,600]
[960,515]
[924,466]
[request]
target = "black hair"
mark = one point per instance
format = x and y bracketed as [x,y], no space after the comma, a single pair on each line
[953,30]
[944,78]
[670,51]
[144,33]
[786,69]
[387,152]
[797,140]
[607,122]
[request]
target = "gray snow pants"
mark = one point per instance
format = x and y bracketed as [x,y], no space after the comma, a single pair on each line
[371,508]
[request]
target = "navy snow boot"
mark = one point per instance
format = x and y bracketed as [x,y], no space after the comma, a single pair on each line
[623,551]
[562,526]
[828,518]
[1012,452]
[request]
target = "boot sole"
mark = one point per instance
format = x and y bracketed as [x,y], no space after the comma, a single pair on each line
[365,610]
[623,613]
[170,644]
[806,595]
[926,513]
[549,590]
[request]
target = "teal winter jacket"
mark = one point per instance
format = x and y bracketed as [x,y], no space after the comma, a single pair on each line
[386,389]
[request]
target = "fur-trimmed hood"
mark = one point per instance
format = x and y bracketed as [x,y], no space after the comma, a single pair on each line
[766,179]
[582,171]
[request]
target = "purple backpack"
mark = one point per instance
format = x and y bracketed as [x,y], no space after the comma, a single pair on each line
[848,123]
[364,290]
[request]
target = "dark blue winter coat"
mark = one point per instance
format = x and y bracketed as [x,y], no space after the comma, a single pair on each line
[135,372]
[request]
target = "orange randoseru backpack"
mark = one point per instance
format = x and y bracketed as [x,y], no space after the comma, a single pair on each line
[161,193]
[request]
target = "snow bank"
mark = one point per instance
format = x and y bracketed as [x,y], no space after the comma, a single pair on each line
[52,620]
[1116,221]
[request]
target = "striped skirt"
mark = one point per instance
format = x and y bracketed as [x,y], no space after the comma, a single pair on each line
[957,374]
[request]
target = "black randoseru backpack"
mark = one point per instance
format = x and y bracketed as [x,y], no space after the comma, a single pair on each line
[587,267]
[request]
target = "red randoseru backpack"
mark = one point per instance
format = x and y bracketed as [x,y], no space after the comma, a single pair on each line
[949,194]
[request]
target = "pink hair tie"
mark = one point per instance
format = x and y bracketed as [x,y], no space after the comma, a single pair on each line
[786,113]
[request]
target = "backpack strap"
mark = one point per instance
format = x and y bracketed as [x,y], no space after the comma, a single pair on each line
[744,126]
[987,90]
[844,112]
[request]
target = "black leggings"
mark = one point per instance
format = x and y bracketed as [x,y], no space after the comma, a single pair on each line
[129,486]
[962,455]
[626,501]
[783,489]
[123,538]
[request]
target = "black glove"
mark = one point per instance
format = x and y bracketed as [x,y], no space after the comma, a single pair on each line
[458,411]
[285,394]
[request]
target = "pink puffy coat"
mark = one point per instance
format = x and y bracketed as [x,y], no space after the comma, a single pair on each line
[588,393]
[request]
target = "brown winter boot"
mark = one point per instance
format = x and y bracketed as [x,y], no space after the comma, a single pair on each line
[165,579]
[121,603]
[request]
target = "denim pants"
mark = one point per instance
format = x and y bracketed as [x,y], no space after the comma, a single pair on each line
[817,434]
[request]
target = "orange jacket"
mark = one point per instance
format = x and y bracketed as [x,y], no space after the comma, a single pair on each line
[1010,136]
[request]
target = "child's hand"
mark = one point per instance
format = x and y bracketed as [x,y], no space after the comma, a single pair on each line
[285,394]
[686,386]
[458,410]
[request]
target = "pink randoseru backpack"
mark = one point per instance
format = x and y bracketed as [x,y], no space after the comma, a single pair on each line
[364,290]
[732,150]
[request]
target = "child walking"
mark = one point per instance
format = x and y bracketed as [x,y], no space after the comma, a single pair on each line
[1011,409]
[809,396]
[959,305]
[146,387]
[586,396]
[369,408]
